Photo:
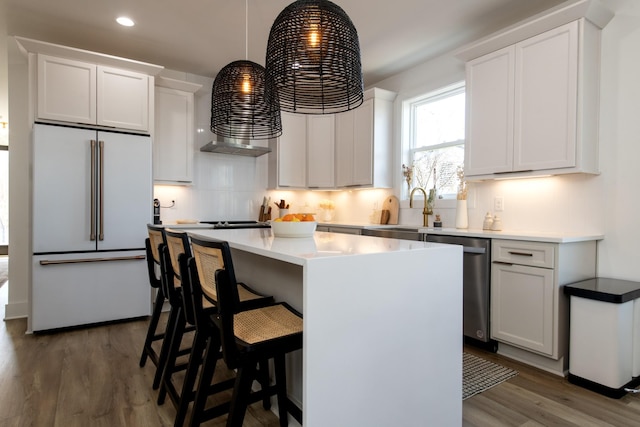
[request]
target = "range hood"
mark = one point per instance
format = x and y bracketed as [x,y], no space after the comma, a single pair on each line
[229,146]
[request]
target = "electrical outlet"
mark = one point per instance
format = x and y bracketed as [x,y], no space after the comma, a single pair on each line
[498,204]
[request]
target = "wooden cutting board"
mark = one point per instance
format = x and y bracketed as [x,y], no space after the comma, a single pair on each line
[392,204]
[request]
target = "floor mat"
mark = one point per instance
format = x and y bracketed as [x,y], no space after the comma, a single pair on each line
[479,375]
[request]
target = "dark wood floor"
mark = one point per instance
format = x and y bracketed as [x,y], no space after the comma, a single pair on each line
[91,377]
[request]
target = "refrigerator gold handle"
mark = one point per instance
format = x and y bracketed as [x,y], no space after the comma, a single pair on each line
[101,235]
[92,232]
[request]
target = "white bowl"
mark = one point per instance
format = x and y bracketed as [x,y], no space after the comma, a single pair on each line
[293,229]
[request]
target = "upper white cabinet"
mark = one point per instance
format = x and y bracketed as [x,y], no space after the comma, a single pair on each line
[363,142]
[532,96]
[288,158]
[80,92]
[303,156]
[174,131]
[350,149]
[83,87]
[320,151]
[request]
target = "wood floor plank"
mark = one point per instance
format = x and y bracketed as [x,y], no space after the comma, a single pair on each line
[91,377]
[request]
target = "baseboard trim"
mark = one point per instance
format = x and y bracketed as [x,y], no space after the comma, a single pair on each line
[16,310]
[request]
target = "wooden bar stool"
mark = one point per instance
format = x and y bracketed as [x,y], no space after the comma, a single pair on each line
[249,337]
[197,311]
[152,244]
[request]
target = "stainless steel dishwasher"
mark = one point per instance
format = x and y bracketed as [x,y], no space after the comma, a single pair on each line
[476,276]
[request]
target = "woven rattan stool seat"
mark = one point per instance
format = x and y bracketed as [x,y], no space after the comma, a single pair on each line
[262,324]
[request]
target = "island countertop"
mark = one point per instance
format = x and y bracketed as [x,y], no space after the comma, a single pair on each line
[300,251]
[382,342]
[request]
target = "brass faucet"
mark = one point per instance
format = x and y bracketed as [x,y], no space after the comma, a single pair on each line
[426,211]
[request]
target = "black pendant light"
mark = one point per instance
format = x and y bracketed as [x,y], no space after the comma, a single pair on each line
[239,108]
[313,59]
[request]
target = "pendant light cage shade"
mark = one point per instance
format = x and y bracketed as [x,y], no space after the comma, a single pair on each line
[313,60]
[239,108]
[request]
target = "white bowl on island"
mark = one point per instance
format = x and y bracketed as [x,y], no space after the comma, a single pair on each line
[293,228]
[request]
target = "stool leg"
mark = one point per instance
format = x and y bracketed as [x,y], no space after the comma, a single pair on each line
[206,375]
[263,379]
[164,350]
[153,326]
[195,360]
[281,387]
[241,391]
[174,347]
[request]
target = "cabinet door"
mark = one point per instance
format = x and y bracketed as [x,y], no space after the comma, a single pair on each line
[66,90]
[522,300]
[123,99]
[490,100]
[344,148]
[173,140]
[292,151]
[320,156]
[363,141]
[546,100]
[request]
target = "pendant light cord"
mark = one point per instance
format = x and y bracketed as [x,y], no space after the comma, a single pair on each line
[246,29]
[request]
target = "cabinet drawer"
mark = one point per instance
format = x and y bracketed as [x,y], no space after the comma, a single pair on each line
[523,253]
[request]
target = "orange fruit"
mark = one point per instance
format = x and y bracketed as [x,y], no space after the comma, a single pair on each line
[288,217]
[300,216]
[308,217]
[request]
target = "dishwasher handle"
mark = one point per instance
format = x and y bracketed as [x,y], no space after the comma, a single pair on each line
[472,250]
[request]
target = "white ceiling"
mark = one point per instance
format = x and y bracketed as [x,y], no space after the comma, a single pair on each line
[202,36]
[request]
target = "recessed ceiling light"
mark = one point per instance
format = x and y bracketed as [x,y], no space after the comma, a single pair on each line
[124,21]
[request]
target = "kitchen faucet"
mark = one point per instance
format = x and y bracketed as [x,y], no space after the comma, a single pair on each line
[425,211]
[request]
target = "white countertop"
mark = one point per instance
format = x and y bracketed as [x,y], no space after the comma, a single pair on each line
[261,241]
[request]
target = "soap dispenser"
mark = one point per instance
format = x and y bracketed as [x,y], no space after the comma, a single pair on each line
[488,222]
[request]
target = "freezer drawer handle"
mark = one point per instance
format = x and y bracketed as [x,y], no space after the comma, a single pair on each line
[81,260]
[520,253]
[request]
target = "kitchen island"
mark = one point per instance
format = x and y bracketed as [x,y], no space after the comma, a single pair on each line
[382,323]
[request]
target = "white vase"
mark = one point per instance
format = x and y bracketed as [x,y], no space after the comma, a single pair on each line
[462,218]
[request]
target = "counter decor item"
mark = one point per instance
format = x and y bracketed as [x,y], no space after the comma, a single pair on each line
[391,204]
[407,172]
[497,224]
[293,229]
[437,223]
[462,216]
[488,222]
[328,209]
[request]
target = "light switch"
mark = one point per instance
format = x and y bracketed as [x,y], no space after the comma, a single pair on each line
[498,204]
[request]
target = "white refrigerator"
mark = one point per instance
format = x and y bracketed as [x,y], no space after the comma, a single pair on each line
[92,199]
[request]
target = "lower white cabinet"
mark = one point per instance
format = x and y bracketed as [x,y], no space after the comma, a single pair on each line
[528,308]
[174,131]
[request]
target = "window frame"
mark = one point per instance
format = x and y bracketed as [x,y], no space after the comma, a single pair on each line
[409,111]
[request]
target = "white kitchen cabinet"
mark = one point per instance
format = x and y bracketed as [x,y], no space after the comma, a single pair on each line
[81,92]
[363,142]
[303,156]
[174,131]
[320,151]
[288,158]
[528,308]
[532,105]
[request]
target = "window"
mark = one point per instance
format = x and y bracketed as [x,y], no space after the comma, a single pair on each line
[434,128]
